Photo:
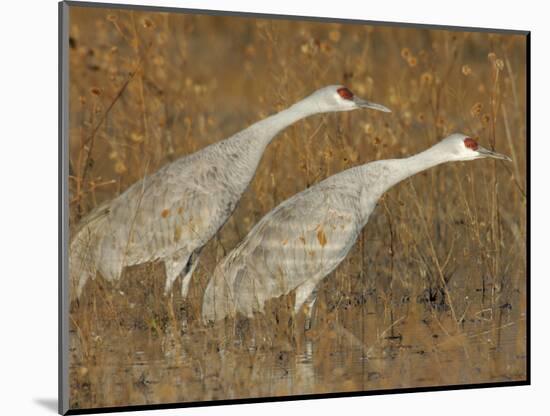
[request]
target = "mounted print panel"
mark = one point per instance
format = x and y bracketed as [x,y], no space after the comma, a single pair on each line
[263,207]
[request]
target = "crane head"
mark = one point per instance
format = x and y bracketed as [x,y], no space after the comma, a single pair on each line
[340,98]
[462,147]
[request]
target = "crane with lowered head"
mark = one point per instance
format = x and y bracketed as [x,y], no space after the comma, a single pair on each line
[171,214]
[297,244]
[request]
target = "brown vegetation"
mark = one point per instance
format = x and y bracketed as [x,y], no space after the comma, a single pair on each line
[433,292]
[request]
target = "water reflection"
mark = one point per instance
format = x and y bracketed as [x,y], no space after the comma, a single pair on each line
[347,350]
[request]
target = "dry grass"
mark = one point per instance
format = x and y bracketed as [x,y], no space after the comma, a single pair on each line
[433,293]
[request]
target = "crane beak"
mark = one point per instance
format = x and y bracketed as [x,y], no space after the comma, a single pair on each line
[489,153]
[367,104]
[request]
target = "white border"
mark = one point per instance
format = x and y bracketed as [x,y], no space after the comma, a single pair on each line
[28,215]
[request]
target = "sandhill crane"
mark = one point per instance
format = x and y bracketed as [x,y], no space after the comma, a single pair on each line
[171,214]
[304,238]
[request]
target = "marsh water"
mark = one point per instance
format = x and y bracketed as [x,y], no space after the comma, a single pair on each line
[146,355]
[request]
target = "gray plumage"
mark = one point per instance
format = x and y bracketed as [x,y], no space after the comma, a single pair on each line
[306,237]
[171,214]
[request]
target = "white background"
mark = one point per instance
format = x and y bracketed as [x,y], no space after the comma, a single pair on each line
[28,204]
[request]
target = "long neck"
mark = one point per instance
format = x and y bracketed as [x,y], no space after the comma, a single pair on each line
[378,177]
[245,148]
[421,161]
[265,130]
[257,136]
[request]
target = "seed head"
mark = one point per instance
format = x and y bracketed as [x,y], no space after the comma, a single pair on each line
[407,117]
[325,47]
[335,36]
[476,109]
[426,78]
[147,23]
[120,167]
[367,128]
[137,138]
[466,70]
[158,60]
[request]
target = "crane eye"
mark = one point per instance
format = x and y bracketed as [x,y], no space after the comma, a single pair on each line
[345,93]
[470,143]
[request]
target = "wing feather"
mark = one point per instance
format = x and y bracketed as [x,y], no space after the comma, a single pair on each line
[304,238]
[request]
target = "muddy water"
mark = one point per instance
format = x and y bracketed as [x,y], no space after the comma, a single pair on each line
[360,344]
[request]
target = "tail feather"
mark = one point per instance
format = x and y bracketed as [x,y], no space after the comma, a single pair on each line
[83,250]
[230,291]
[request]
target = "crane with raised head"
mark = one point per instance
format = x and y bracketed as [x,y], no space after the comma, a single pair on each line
[297,244]
[171,214]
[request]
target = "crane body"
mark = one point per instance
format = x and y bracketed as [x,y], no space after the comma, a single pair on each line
[171,214]
[306,237]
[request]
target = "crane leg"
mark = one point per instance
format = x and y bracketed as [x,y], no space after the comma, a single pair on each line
[173,267]
[183,265]
[77,284]
[81,268]
[310,302]
[307,294]
[111,268]
[187,272]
